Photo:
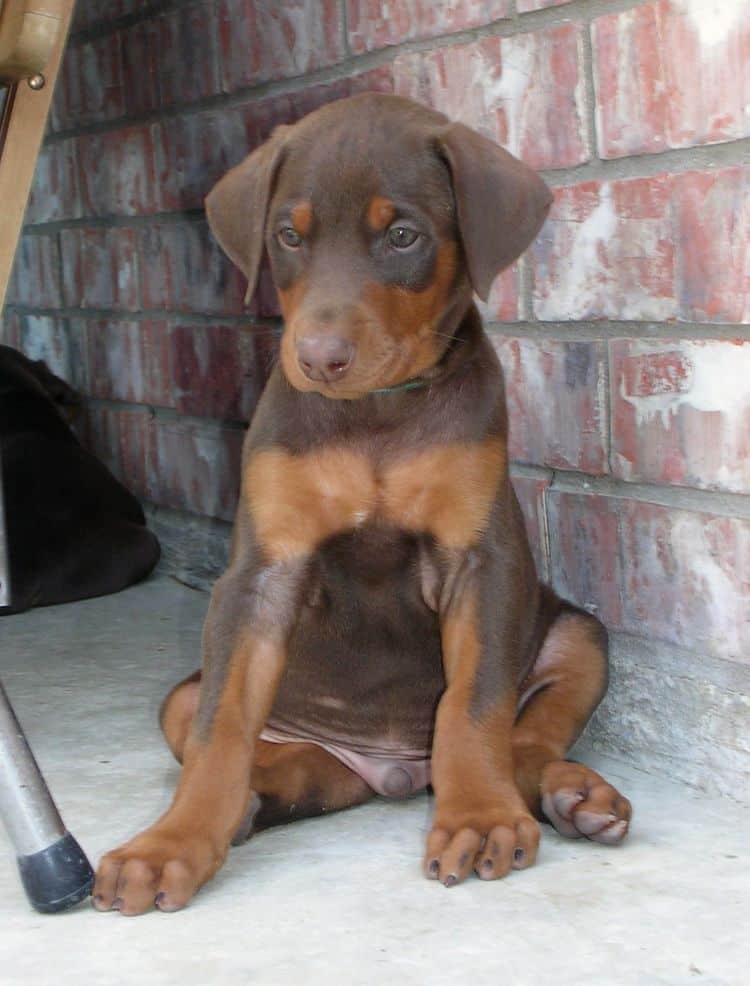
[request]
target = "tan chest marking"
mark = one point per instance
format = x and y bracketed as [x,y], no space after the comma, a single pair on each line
[447,491]
[298,501]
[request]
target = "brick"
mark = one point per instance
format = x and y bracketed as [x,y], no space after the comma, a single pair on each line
[100,268]
[607,251]
[681,412]
[54,192]
[306,100]
[90,89]
[141,67]
[557,404]
[526,91]
[187,44]
[193,152]
[260,117]
[9,328]
[35,279]
[122,439]
[502,304]
[673,73]
[374,80]
[59,342]
[182,268]
[117,173]
[712,235]
[376,24]
[261,41]
[677,575]
[688,578]
[216,370]
[530,493]
[195,468]
[129,361]
[90,12]
[586,564]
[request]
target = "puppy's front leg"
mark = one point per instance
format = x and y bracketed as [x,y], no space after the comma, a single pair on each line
[481,820]
[244,643]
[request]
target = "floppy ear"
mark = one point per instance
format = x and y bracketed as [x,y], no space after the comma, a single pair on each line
[501,202]
[237,206]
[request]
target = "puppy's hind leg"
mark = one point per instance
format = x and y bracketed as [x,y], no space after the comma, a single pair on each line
[288,780]
[564,687]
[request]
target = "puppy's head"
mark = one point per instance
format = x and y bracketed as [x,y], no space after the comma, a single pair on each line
[380,217]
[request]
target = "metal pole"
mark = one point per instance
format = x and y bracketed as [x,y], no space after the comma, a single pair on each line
[54,869]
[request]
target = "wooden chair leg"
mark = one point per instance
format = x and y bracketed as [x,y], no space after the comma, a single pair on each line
[32,34]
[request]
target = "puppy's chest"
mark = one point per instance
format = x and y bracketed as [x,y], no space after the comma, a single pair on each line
[299,501]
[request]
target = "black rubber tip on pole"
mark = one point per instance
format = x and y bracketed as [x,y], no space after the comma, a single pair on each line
[57,877]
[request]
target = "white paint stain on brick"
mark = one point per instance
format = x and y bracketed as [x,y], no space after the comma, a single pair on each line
[715,89]
[124,280]
[201,348]
[630,108]
[303,32]
[718,384]
[720,381]
[671,73]
[578,274]
[714,20]
[599,256]
[720,585]
[41,340]
[508,88]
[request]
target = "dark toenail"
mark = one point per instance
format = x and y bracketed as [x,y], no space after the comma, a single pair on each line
[433,868]
[487,865]
[117,903]
[451,880]
[160,898]
[518,855]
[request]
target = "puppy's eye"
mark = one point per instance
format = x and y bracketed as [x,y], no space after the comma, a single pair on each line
[402,237]
[289,237]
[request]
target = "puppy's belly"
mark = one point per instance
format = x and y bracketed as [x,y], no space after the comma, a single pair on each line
[364,667]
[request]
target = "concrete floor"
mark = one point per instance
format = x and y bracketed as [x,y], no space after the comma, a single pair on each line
[340,899]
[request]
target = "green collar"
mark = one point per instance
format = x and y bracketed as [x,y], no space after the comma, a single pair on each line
[406,385]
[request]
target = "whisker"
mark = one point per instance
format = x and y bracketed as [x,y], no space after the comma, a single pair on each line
[445,335]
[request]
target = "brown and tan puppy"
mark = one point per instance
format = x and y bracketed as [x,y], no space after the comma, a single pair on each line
[380,626]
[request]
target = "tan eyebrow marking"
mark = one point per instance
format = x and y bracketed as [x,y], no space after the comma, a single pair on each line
[302,217]
[380,213]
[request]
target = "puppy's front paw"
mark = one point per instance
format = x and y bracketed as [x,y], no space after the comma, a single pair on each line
[158,868]
[491,841]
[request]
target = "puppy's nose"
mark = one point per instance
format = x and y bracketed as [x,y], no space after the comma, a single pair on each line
[324,357]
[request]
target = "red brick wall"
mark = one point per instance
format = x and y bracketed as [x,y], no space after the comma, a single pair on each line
[623,331]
